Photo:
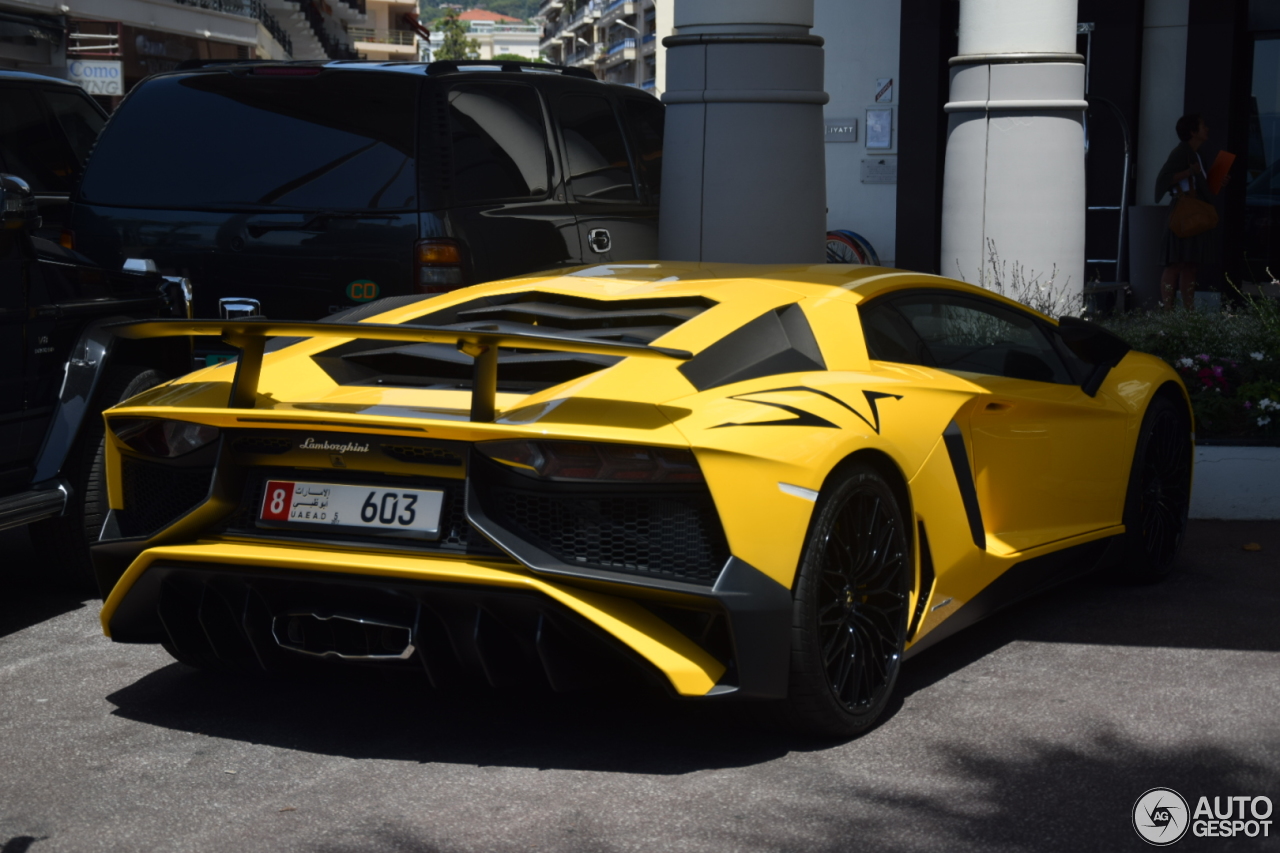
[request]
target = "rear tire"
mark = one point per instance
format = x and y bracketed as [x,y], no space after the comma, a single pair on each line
[1159,493]
[63,542]
[849,619]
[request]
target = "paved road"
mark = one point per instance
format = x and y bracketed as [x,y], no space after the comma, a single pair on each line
[1034,731]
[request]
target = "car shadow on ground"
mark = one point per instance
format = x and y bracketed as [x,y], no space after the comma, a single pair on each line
[1034,797]
[29,596]
[1220,596]
[1223,597]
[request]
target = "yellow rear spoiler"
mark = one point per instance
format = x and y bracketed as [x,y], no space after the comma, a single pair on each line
[250,337]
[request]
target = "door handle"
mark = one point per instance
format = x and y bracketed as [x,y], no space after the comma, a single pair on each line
[599,241]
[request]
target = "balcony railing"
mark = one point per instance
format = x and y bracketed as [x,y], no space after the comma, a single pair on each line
[620,45]
[648,37]
[368,34]
[491,27]
[614,5]
[249,9]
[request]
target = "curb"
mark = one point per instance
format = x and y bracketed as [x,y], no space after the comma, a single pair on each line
[1236,483]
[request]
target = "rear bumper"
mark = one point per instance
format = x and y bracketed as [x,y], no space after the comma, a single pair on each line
[472,619]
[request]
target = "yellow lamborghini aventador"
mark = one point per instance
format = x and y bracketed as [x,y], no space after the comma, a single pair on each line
[766,482]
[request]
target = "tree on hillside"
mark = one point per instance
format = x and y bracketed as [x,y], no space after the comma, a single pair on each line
[456,45]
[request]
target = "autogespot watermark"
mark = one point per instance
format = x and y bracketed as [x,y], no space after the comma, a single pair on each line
[1162,816]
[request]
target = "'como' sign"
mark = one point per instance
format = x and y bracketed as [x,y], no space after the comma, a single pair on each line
[97,76]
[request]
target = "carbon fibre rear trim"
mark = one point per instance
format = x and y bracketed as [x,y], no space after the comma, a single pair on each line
[926,581]
[221,618]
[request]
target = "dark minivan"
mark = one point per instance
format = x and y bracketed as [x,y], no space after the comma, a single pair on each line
[316,187]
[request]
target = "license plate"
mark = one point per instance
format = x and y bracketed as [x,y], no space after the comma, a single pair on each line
[343,507]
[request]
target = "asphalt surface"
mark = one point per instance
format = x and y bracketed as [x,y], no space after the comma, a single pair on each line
[1036,730]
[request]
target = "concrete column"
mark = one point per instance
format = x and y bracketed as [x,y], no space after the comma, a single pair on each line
[1015,144]
[744,175]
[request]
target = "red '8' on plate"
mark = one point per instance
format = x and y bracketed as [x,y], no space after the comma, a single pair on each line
[276,501]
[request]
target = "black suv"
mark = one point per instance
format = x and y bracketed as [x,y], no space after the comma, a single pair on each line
[313,187]
[47,127]
[62,367]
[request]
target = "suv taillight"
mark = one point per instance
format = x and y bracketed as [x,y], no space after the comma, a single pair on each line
[437,266]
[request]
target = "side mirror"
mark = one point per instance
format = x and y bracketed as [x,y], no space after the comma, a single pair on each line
[17,204]
[1093,345]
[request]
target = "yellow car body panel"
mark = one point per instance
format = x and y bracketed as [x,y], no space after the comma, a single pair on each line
[1049,463]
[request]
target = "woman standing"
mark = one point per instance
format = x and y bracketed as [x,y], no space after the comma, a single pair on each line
[1184,172]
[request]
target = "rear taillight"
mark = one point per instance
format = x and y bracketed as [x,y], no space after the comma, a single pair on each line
[582,461]
[163,438]
[437,265]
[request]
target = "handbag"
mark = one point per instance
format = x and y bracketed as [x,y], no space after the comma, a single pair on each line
[1191,216]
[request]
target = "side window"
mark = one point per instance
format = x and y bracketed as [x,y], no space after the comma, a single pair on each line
[31,150]
[598,166]
[80,122]
[970,334]
[890,337]
[499,143]
[645,119]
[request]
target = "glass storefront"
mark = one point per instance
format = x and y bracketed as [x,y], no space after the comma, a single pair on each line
[1262,169]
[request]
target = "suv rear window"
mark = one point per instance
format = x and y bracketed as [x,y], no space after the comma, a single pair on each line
[232,141]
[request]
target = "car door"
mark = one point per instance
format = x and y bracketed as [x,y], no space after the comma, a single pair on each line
[503,193]
[1048,459]
[616,222]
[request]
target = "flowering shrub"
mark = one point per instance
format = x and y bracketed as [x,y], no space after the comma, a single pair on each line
[1230,362]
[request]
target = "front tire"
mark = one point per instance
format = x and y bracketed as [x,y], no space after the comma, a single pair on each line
[1159,493]
[849,619]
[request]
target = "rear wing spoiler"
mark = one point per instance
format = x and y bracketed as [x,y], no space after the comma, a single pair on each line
[250,337]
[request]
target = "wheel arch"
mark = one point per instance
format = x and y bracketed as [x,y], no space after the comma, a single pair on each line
[1174,392]
[92,357]
[888,468]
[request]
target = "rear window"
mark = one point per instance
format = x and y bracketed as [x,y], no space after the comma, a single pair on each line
[224,141]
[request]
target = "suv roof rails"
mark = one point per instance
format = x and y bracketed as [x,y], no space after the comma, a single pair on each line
[451,66]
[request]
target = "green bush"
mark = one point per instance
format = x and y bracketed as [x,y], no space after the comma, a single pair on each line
[1229,360]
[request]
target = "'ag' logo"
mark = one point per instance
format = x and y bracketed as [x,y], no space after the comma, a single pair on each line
[1160,816]
[362,291]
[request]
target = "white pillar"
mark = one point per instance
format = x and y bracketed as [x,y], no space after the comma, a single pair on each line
[744,175]
[1015,144]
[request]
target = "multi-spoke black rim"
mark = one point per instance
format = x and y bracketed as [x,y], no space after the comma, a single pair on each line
[1166,488]
[862,601]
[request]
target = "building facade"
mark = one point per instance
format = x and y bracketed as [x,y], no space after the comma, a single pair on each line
[92,41]
[617,39]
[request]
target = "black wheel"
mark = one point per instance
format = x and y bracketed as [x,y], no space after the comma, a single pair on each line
[849,622]
[64,541]
[1159,494]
